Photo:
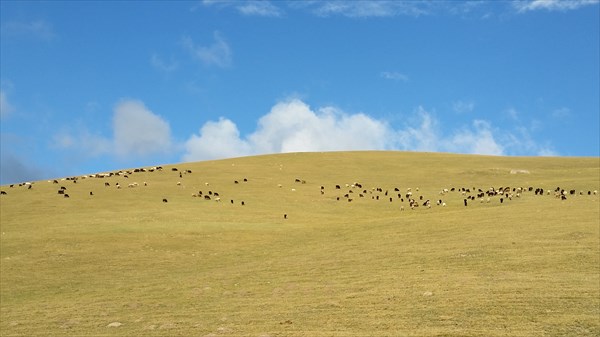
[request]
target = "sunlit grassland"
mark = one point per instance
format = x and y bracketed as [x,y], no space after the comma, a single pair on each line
[193,267]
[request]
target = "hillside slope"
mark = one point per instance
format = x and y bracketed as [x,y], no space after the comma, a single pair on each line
[285,253]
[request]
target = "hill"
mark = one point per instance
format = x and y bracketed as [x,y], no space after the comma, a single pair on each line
[285,253]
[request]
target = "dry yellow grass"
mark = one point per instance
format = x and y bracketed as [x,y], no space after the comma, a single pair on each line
[192,267]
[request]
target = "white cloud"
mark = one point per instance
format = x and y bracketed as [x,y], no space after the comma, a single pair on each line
[477,140]
[5,107]
[363,9]
[551,5]
[424,137]
[395,76]
[291,126]
[218,54]
[216,140]
[138,131]
[259,8]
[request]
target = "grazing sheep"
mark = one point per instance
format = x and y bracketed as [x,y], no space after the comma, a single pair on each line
[66,195]
[3,193]
[243,203]
[165,200]
[91,193]
[206,197]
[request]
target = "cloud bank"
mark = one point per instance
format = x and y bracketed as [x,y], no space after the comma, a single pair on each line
[293,126]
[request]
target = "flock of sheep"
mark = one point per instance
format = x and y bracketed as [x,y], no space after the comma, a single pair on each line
[409,197]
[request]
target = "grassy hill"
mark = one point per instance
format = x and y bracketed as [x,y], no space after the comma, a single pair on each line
[123,262]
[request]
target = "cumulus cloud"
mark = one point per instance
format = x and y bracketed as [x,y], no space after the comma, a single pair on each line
[219,139]
[218,54]
[291,126]
[552,5]
[138,131]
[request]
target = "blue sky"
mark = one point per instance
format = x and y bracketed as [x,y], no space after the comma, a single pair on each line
[96,86]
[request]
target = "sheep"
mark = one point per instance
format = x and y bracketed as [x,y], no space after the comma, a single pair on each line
[3,193]
[164,200]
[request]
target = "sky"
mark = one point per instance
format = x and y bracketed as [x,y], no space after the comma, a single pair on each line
[89,87]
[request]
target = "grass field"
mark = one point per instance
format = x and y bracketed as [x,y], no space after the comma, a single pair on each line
[122,262]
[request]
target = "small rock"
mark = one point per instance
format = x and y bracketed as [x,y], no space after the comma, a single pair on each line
[428,293]
[114,325]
